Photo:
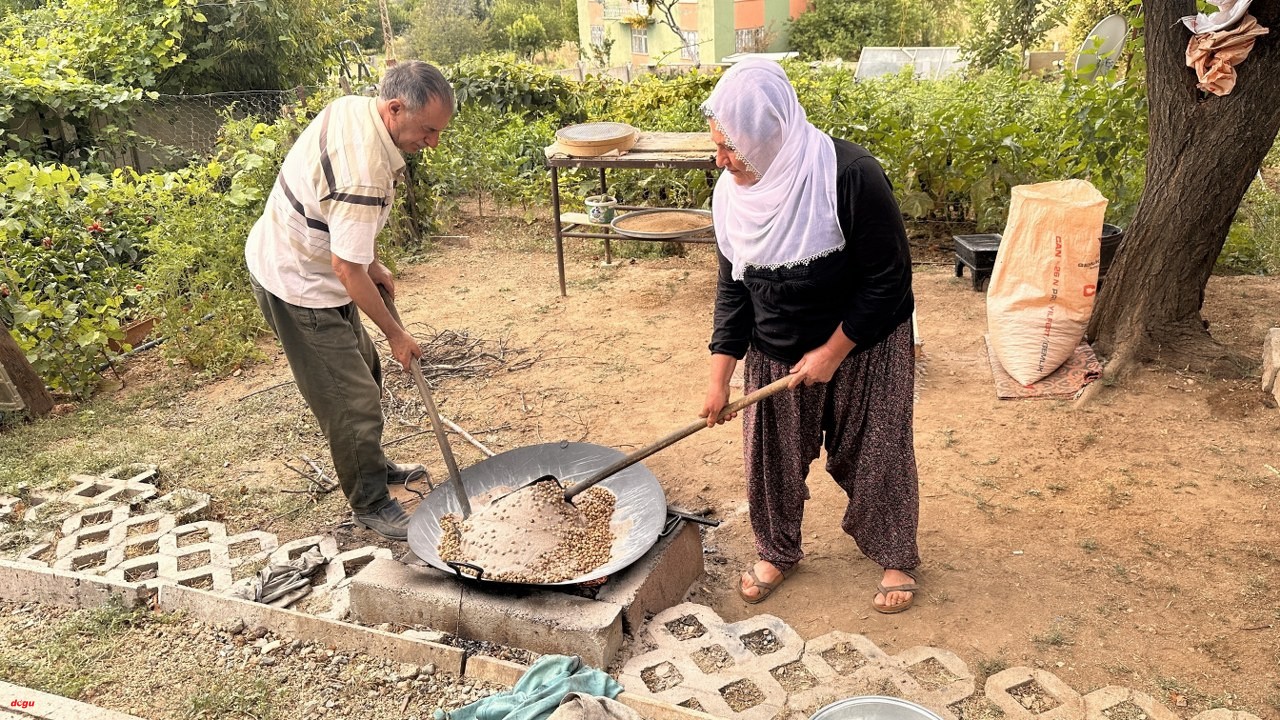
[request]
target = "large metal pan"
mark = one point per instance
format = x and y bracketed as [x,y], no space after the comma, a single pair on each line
[638,518]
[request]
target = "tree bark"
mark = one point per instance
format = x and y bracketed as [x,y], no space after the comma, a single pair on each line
[1204,152]
[30,387]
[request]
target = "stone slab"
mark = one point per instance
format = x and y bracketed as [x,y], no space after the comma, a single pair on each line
[20,702]
[543,621]
[21,582]
[218,609]
[1098,702]
[659,579]
[1070,705]
[494,670]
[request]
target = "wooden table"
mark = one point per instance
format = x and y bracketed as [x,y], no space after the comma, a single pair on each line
[653,151]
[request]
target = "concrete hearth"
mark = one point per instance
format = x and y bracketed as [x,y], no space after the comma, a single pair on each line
[544,620]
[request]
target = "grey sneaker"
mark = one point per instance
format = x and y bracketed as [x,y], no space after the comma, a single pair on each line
[389,521]
[405,474]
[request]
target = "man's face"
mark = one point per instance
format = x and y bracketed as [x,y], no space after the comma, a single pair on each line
[728,160]
[413,131]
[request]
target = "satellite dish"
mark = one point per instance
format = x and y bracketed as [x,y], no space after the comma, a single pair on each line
[1101,49]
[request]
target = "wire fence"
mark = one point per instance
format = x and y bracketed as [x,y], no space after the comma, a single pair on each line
[172,130]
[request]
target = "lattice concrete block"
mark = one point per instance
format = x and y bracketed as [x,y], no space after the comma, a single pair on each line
[250,547]
[185,505]
[98,489]
[93,560]
[1003,686]
[1098,702]
[702,659]
[98,517]
[147,568]
[152,524]
[176,540]
[40,554]
[206,577]
[843,665]
[290,551]
[336,589]
[134,473]
[7,505]
[938,678]
[1225,714]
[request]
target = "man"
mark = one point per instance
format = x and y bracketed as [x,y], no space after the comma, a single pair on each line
[314,266]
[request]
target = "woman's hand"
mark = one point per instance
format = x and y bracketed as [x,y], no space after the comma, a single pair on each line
[717,398]
[819,364]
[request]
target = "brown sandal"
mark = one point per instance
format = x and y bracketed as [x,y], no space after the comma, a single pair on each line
[766,589]
[910,587]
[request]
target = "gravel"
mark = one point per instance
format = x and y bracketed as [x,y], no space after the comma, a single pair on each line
[155,665]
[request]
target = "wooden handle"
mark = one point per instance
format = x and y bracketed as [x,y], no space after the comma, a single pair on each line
[684,432]
[455,477]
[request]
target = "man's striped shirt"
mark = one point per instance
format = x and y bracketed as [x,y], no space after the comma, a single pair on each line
[334,193]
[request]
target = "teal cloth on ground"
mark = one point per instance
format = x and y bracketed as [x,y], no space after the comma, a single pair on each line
[539,692]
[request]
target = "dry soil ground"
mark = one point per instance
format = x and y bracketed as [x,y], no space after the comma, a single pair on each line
[1132,542]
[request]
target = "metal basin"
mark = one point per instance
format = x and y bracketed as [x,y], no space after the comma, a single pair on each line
[874,708]
[638,518]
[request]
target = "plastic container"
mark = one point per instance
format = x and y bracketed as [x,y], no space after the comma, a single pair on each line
[600,208]
[874,708]
[1112,236]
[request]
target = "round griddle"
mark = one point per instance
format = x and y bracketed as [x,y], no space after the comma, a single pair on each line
[638,517]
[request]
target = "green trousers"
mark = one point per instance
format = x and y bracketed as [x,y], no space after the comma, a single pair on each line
[337,369]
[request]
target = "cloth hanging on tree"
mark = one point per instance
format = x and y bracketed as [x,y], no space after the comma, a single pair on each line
[1229,13]
[1214,55]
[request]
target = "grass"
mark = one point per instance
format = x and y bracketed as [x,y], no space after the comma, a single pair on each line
[236,695]
[1059,634]
[67,661]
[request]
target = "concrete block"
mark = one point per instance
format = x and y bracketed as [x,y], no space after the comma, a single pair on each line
[218,609]
[543,621]
[949,683]
[494,670]
[151,525]
[336,589]
[659,579]
[1000,687]
[290,551]
[21,702]
[134,473]
[1270,360]
[652,709]
[25,583]
[1098,702]
[97,559]
[145,568]
[98,517]
[185,505]
[98,489]
[177,541]
[32,555]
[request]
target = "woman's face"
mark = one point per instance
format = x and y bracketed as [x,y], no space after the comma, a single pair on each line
[728,160]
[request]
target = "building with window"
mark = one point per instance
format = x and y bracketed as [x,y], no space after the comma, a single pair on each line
[709,30]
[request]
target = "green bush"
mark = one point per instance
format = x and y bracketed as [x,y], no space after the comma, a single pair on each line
[73,253]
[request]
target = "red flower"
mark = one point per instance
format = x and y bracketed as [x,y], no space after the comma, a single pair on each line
[138,287]
[96,228]
[47,243]
[4,291]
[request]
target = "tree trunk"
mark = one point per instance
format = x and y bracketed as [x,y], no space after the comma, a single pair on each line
[1204,152]
[30,386]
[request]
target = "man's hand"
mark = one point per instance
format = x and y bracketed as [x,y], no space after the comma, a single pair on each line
[404,348]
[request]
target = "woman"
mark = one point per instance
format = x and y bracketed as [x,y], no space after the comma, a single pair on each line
[815,282]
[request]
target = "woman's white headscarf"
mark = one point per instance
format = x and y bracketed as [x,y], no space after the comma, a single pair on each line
[788,217]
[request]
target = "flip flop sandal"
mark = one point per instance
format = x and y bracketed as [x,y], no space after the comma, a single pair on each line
[766,589]
[910,587]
